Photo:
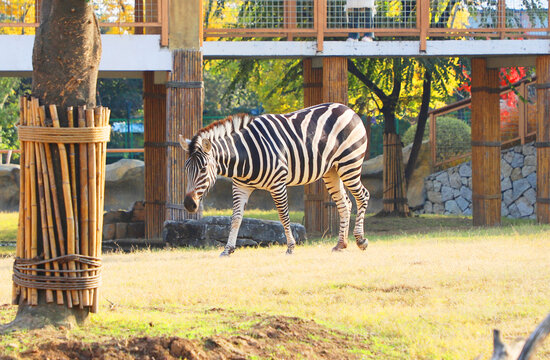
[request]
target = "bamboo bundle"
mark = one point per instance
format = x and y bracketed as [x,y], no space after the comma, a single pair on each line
[64,256]
[394,196]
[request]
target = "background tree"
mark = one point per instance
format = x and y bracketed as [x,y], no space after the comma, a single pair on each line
[66,56]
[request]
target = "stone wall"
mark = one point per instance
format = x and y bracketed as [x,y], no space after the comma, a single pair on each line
[450,191]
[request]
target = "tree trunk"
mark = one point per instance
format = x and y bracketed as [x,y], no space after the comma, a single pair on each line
[420,126]
[66,56]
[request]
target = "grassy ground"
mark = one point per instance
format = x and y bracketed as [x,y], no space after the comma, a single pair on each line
[435,293]
[8,232]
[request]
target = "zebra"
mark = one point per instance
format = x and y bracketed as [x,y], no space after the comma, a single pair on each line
[272,152]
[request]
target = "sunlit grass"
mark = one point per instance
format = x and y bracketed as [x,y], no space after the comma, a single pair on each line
[414,297]
[8,226]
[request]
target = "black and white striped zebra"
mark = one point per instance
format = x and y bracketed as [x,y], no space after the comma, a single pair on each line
[272,152]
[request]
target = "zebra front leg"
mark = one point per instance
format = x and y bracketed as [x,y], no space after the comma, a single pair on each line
[280,198]
[240,197]
[361,195]
[338,194]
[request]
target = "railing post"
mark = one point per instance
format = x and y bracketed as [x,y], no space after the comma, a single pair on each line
[423,21]
[320,21]
[289,19]
[501,17]
[163,14]
[522,109]
[433,139]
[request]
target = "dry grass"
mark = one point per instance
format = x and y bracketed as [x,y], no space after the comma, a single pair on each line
[415,298]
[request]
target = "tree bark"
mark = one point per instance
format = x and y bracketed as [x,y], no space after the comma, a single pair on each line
[420,126]
[66,55]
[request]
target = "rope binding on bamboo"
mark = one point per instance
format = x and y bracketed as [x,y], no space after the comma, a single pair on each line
[64,135]
[89,278]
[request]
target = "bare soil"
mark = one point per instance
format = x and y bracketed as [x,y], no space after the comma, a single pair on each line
[271,337]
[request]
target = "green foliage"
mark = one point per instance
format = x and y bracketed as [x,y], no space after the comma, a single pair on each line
[10,91]
[453,136]
[122,96]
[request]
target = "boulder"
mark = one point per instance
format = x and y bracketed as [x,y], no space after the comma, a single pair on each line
[214,230]
[371,177]
[9,187]
[124,184]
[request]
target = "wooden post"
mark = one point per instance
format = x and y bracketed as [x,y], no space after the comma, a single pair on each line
[522,109]
[289,18]
[543,139]
[154,111]
[184,94]
[486,144]
[323,82]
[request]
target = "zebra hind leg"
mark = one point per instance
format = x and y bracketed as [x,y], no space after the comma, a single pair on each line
[280,197]
[338,194]
[361,194]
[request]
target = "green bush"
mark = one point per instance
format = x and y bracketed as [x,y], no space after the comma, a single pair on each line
[453,137]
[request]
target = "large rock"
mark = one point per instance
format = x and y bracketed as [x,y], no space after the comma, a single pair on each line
[371,176]
[9,187]
[124,184]
[214,230]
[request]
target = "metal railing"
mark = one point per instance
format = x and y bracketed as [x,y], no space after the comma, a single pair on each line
[391,19]
[313,19]
[114,16]
[517,123]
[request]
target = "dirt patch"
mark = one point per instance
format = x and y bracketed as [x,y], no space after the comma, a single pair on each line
[271,337]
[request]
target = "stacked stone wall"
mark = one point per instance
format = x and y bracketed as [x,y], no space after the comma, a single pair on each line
[450,191]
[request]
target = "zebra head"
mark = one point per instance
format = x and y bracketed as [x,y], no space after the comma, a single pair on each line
[201,169]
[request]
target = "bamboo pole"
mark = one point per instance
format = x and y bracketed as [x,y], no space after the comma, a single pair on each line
[19,293]
[92,195]
[57,214]
[65,176]
[42,198]
[33,253]
[84,224]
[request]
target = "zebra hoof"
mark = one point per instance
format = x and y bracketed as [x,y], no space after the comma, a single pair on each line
[224,254]
[363,244]
[338,248]
[289,251]
[227,251]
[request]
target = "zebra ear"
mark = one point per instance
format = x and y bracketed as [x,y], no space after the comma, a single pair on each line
[184,143]
[206,145]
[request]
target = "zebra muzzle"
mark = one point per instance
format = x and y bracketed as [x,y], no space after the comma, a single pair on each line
[190,204]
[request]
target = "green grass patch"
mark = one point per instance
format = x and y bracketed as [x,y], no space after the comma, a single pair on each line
[8,227]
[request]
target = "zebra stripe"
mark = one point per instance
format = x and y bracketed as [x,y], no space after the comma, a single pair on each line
[272,152]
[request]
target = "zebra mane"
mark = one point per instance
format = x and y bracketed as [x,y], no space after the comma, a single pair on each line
[221,128]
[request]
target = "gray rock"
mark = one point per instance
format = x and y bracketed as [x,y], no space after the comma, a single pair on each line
[429,184]
[443,178]
[507,197]
[529,149]
[525,209]
[517,161]
[531,196]
[428,207]
[467,212]
[530,160]
[465,170]
[503,210]
[452,207]
[464,180]
[455,180]
[519,188]
[9,187]
[532,179]
[456,193]
[518,149]
[124,184]
[214,230]
[505,184]
[528,169]
[438,209]
[516,174]
[446,193]
[466,193]
[505,169]
[470,182]
[434,197]
[508,156]
[437,186]
[462,203]
[513,211]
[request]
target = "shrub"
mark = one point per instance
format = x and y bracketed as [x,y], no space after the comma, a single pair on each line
[453,137]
